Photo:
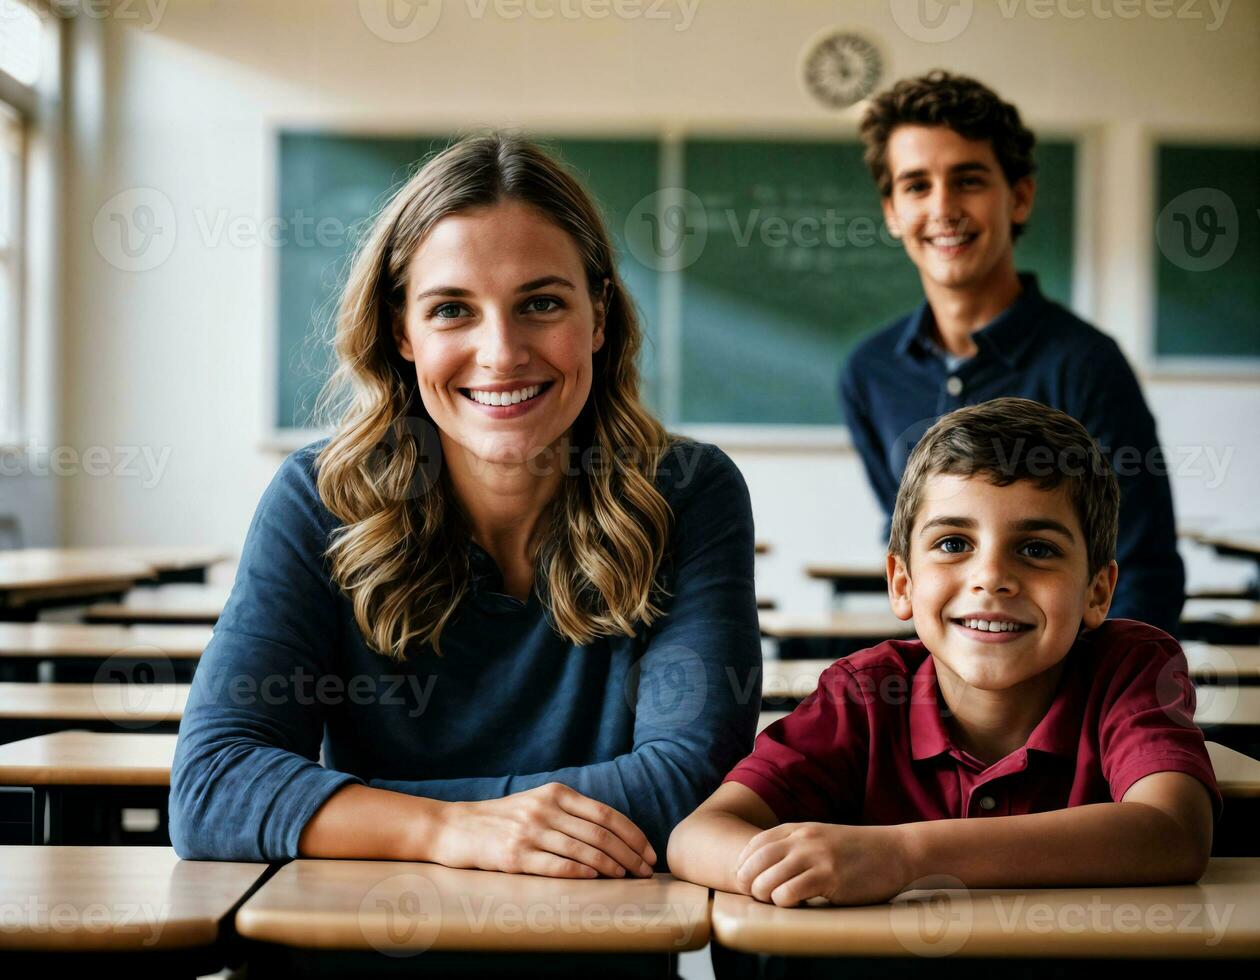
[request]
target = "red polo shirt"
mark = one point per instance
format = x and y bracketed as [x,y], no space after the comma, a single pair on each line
[869,746]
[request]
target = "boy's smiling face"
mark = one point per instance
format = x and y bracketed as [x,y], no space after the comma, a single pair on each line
[998,580]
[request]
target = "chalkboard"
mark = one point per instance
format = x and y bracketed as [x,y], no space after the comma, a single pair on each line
[773,253]
[1207,233]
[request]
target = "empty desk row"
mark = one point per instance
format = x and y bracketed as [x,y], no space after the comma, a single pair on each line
[89,652]
[35,578]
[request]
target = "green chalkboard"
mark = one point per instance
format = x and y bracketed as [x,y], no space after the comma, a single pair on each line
[773,253]
[1207,256]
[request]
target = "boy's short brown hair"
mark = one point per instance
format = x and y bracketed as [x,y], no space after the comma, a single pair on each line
[1010,439]
[966,106]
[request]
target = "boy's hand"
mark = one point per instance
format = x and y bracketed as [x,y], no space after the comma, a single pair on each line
[794,862]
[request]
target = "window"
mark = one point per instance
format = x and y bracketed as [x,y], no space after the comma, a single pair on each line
[10,272]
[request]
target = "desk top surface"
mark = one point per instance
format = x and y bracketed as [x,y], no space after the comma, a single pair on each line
[37,640]
[88,759]
[1218,917]
[1225,612]
[124,704]
[181,601]
[47,569]
[842,570]
[412,907]
[1227,705]
[115,898]
[843,624]
[1237,775]
[1248,541]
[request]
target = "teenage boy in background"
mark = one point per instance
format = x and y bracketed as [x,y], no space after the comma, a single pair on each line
[954,166]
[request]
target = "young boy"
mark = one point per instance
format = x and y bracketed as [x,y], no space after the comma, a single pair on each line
[954,166]
[1020,741]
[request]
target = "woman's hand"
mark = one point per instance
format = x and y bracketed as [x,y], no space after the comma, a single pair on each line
[552,830]
[794,862]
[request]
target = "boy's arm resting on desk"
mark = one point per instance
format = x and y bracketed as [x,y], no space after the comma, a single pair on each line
[705,846]
[1160,833]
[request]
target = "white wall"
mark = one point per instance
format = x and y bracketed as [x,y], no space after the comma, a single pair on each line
[172,358]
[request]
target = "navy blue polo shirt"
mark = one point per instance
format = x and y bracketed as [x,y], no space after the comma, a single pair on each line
[898,382]
[648,724]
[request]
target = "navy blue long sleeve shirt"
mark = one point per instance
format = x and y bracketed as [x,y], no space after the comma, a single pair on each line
[647,724]
[898,382]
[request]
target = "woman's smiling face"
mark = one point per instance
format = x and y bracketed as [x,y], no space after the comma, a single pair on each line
[502,330]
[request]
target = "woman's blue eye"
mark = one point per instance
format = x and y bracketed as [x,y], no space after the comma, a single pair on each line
[952,546]
[551,304]
[448,311]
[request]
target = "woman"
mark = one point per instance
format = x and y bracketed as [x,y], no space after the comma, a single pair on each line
[517,614]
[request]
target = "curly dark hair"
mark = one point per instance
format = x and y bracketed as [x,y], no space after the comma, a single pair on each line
[966,106]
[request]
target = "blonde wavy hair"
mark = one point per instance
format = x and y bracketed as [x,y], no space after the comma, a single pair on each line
[401,553]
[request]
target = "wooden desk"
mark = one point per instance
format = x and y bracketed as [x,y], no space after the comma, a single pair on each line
[114,910]
[846,577]
[1230,714]
[1223,663]
[830,636]
[36,709]
[316,907]
[836,625]
[1221,621]
[81,782]
[77,651]
[31,579]
[1237,775]
[89,759]
[183,603]
[166,563]
[1238,544]
[1111,923]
